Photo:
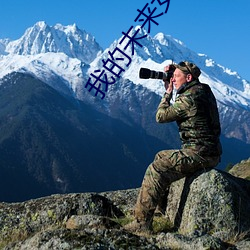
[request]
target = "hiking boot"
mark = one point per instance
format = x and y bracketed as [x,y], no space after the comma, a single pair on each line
[140,227]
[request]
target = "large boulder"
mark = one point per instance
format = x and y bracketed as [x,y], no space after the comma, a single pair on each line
[19,221]
[210,202]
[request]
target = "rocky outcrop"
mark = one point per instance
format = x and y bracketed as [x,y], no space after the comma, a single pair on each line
[209,210]
[210,202]
[241,169]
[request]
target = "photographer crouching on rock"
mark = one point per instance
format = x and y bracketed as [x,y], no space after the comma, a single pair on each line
[195,111]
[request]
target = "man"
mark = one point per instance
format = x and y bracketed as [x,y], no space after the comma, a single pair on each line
[195,111]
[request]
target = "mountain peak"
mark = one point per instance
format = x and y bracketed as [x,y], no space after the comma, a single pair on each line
[68,29]
[41,24]
[161,38]
[42,38]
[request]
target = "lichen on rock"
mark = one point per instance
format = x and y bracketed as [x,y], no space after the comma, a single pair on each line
[211,202]
[209,210]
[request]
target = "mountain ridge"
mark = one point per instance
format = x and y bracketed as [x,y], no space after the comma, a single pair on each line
[123,122]
[42,38]
[69,75]
[54,144]
[157,51]
[162,50]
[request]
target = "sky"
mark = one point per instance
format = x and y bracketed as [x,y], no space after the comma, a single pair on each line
[217,28]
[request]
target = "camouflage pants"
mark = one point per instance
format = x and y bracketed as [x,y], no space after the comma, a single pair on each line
[167,167]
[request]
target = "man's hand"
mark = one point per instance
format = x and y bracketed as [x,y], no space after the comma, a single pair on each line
[168,85]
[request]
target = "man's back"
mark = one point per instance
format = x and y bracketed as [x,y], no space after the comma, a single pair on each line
[200,126]
[196,113]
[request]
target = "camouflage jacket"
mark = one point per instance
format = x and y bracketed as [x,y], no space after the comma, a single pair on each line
[195,111]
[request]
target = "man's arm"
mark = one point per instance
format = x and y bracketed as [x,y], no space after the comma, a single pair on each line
[182,108]
[165,112]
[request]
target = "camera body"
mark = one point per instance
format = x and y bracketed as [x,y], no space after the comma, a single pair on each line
[145,73]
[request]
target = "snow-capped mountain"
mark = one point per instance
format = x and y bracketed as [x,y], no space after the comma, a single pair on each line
[65,56]
[67,51]
[64,139]
[51,53]
[60,71]
[3,43]
[70,40]
[232,92]
[161,50]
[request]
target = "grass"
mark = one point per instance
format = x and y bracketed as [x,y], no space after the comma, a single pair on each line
[123,220]
[160,223]
[239,237]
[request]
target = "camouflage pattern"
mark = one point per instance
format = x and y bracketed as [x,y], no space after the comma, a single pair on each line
[168,166]
[188,67]
[195,111]
[196,114]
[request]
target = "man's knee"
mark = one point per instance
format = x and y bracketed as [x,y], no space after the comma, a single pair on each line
[162,160]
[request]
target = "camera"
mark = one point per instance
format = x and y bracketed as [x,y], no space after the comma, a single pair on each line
[145,73]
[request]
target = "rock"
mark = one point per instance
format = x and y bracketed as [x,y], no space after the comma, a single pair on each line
[90,221]
[178,241]
[63,239]
[241,169]
[124,199]
[209,210]
[212,202]
[20,220]
[243,245]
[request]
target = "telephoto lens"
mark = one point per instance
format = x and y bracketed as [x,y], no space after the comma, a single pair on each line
[145,73]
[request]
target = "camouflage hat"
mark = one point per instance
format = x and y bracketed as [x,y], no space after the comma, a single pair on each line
[189,68]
